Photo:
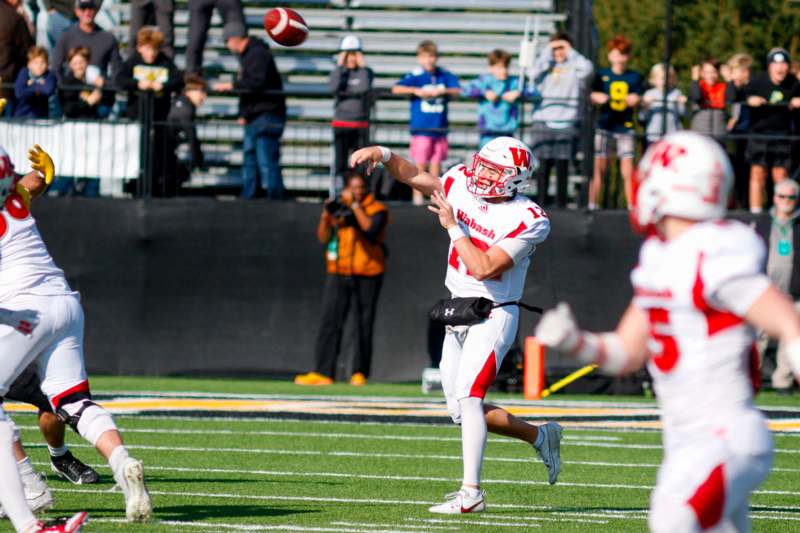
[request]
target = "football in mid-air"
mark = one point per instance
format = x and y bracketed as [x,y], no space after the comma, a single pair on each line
[285,26]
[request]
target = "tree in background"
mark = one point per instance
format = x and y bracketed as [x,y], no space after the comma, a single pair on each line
[701,28]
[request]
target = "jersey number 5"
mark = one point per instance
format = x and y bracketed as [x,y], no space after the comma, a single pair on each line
[667,356]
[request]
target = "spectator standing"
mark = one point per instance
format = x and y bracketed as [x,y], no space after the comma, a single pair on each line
[498,96]
[158,12]
[262,109]
[150,77]
[15,39]
[81,90]
[34,86]
[707,94]
[560,75]
[617,91]
[352,232]
[102,45]
[182,130]
[738,124]
[770,97]
[351,85]
[60,16]
[149,70]
[652,110]
[430,88]
[200,12]
[781,234]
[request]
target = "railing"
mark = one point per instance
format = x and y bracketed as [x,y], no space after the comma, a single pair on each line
[142,158]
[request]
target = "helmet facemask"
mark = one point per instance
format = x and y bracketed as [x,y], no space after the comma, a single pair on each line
[491,180]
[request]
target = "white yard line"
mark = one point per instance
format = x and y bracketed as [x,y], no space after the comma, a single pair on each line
[216,526]
[339,435]
[348,475]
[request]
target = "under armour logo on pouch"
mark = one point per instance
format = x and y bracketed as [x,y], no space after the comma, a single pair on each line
[449,311]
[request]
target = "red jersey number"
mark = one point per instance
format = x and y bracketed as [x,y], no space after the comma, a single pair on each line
[667,357]
[15,208]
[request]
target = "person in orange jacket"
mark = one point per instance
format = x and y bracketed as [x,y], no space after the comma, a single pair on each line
[352,229]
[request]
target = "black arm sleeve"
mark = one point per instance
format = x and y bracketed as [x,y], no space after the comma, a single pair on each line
[378,222]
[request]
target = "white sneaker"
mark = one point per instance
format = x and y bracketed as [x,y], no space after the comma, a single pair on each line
[550,450]
[37,494]
[130,478]
[460,502]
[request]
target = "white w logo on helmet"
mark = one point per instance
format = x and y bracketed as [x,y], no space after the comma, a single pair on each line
[685,175]
[501,168]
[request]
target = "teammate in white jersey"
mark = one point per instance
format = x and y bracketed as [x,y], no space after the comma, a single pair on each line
[30,280]
[699,291]
[493,232]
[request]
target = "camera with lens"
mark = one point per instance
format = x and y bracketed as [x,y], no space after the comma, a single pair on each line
[336,208]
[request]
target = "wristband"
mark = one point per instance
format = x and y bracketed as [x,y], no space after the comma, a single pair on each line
[455,233]
[355,205]
[386,154]
[603,349]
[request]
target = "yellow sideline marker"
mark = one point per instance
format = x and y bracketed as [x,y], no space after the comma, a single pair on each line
[560,384]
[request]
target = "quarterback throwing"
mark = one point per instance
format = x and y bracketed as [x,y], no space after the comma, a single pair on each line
[493,233]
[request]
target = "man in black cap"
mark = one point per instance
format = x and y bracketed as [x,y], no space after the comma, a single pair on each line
[103,47]
[770,97]
[262,110]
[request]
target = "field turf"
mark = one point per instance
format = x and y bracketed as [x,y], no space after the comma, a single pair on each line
[221,473]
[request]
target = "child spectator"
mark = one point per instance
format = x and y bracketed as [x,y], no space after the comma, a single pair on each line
[430,88]
[81,87]
[652,112]
[350,83]
[181,129]
[738,124]
[148,74]
[707,93]
[617,91]
[148,69]
[559,75]
[35,84]
[497,92]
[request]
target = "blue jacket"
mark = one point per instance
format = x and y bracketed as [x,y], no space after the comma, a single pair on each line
[32,99]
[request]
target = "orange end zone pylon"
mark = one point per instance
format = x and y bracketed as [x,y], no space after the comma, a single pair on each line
[533,373]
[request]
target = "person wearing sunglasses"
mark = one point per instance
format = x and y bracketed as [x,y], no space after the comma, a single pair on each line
[778,229]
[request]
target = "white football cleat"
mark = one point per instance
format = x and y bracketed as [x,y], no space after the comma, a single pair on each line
[130,479]
[460,502]
[37,495]
[550,450]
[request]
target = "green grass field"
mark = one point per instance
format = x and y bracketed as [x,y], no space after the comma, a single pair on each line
[218,474]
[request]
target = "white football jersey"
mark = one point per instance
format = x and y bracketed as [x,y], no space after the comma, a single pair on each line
[701,349]
[25,264]
[517,226]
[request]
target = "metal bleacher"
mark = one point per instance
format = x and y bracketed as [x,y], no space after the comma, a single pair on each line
[464,30]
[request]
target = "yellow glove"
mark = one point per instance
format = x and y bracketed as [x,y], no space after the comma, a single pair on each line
[42,163]
[3,103]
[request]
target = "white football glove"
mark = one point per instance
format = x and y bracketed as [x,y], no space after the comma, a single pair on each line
[793,354]
[24,321]
[557,329]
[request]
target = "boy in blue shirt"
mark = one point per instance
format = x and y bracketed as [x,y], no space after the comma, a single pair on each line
[430,88]
[34,86]
[498,110]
